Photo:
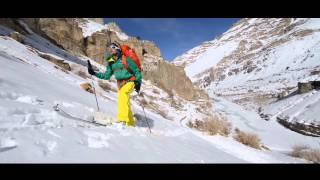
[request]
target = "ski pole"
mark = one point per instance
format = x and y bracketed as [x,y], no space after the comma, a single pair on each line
[94,90]
[145,117]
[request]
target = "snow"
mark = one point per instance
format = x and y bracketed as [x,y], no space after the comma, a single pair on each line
[122,35]
[47,146]
[32,132]
[89,27]
[312,23]
[304,108]
[7,143]
[248,154]
[280,67]
[97,140]
[210,58]
[279,58]
[300,54]
[25,117]
[273,135]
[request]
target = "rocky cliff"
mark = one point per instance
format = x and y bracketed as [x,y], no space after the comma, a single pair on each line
[90,37]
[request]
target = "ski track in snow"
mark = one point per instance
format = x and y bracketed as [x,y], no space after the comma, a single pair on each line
[7,143]
[20,98]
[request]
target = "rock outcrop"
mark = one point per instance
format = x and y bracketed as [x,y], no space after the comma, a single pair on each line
[169,77]
[64,32]
[97,20]
[95,45]
[68,34]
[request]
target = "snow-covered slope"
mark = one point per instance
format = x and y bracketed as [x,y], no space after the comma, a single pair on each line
[31,131]
[268,43]
[272,134]
[209,58]
[256,60]
[299,112]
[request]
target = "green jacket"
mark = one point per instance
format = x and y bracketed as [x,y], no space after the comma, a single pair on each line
[120,72]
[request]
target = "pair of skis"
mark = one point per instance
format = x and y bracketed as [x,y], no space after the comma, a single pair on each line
[93,122]
[68,115]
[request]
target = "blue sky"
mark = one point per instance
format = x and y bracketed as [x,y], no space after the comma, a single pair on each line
[174,36]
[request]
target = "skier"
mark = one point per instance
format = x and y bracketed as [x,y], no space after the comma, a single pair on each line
[128,77]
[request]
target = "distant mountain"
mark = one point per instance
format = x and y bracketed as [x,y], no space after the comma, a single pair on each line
[258,60]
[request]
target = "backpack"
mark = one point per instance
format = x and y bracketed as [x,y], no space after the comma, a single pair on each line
[129,52]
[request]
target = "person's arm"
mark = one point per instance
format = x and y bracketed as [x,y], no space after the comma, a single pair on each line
[106,75]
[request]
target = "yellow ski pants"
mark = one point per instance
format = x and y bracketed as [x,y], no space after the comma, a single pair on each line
[124,107]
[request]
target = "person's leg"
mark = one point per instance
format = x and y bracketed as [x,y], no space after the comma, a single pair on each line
[124,107]
[120,104]
[131,121]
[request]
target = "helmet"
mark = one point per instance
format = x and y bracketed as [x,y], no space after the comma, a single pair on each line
[115,45]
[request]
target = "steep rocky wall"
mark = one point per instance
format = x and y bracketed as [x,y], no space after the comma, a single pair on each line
[67,34]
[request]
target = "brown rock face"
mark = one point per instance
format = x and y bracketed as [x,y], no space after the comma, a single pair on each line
[304,87]
[87,87]
[17,36]
[151,48]
[13,23]
[66,33]
[96,45]
[97,20]
[59,62]
[170,78]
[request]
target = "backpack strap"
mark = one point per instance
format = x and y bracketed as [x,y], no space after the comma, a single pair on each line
[124,61]
[125,64]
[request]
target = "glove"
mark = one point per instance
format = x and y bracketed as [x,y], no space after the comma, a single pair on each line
[90,69]
[137,86]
